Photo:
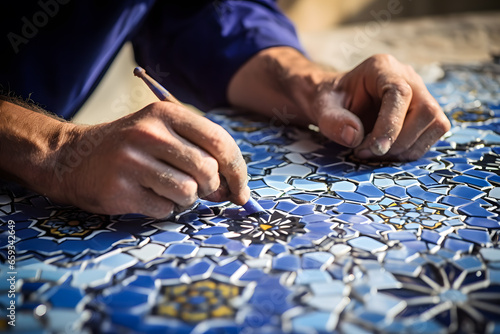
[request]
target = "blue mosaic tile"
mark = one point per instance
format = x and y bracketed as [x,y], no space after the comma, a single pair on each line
[312,276]
[181,250]
[350,208]
[351,218]
[472,181]
[401,236]
[212,230]
[316,260]
[418,192]
[475,210]
[278,249]
[480,237]
[458,245]
[367,244]
[397,192]
[64,297]
[455,201]
[255,250]
[352,196]
[286,262]
[327,201]
[168,274]
[319,321]
[344,246]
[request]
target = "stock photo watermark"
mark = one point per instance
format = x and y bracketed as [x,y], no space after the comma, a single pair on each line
[11,273]
[371,29]
[138,93]
[281,119]
[75,156]
[31,25]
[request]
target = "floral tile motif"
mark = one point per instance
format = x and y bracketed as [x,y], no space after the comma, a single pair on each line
[257,228]
[197,301]
[72,223]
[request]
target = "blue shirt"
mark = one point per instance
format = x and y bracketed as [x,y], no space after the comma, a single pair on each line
[56,51]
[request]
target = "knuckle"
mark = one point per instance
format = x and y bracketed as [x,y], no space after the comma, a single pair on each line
[443,123]
[213,184]
[148,134]
[208,168]
[157,108]
[165,111]
[216,134]
[153,109]
[411,71]
[431,108]
[236,163]
[383,58]
[428,102]
[221,142]
[137,132]
[427,114]
[188,189]
[168,110]
[402,88]
[395,85]
[209,187]
[127,156]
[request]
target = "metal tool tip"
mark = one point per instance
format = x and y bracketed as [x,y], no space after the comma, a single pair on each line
[139,71]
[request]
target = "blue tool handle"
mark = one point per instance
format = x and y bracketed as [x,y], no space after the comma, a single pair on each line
[252,206]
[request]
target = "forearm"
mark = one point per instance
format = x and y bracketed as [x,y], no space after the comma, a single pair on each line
[279,82]
[29,146]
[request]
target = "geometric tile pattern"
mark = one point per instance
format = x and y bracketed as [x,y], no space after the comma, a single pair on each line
[346,246]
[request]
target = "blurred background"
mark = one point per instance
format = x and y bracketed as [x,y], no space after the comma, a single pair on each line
[315,15]
[419,32]
[340,34]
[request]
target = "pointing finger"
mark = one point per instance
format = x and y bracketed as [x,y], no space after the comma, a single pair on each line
[396,95]
[219,144]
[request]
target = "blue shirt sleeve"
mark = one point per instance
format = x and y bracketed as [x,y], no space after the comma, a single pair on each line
[200,44]
[195,52]
[55,52]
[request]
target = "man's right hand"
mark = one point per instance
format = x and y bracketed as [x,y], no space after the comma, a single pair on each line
[149,162]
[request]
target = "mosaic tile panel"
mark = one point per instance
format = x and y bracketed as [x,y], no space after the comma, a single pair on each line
[345,246]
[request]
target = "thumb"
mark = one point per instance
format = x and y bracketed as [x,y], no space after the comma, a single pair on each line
[338,123]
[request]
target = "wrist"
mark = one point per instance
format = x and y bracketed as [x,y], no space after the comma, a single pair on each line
[296,77]
[59,161]
[31,142]
[280,77]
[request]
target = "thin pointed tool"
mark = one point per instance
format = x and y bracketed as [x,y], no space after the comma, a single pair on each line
[252,206]
[156,88]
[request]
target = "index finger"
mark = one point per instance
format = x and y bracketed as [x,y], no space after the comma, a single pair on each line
[395,95]
[219,144]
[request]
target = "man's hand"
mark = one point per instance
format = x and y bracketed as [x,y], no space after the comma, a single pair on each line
[381,108]
[149,162]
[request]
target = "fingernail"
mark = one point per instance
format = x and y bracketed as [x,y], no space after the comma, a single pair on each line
[349,135]
[381,146]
